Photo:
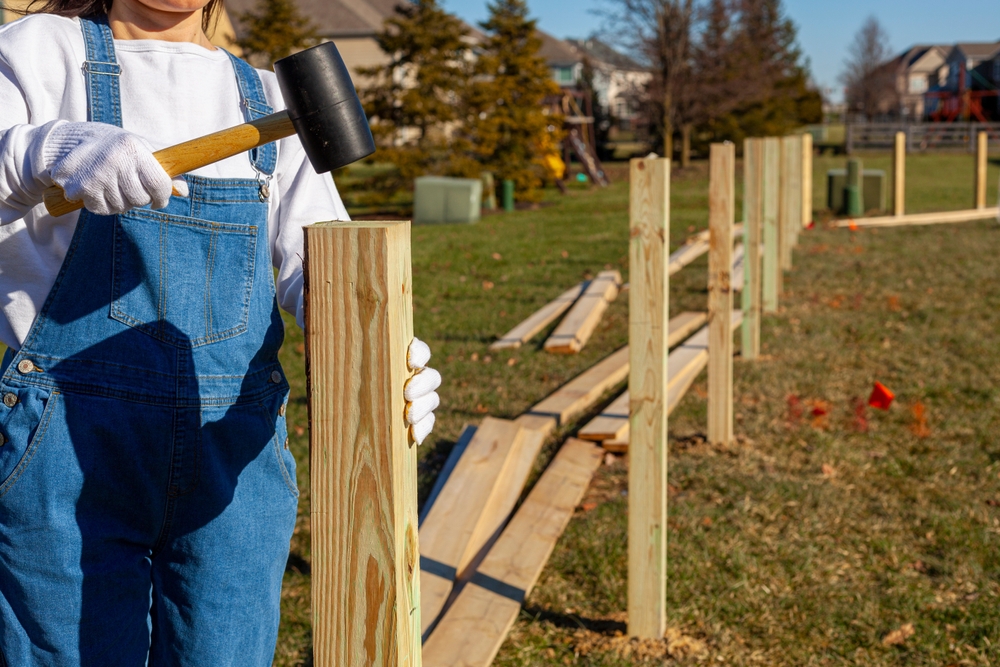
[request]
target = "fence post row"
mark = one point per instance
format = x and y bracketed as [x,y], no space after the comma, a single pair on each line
[752,210]
[899,175]
[982,149]
[771,273]
[649,259]
[721,212]
[363,465]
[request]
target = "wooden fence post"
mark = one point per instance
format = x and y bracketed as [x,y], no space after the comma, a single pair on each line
[771,273]
[899,175]
[363,464]
[721,210]
[807,179]
[750,296]
[649,259]
[982,150]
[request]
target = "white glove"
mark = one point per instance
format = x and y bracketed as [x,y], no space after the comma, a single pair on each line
[419,391]
[109,169]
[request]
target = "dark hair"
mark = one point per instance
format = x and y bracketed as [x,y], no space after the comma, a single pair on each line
[89,8]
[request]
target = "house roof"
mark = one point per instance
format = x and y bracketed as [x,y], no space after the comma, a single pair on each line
[600,52]
[978,51]
[558,53]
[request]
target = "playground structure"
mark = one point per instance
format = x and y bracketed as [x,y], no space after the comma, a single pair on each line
[378,590]
[899,217]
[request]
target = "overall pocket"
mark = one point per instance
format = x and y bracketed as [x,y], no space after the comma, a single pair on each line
[184,281]
[23,427]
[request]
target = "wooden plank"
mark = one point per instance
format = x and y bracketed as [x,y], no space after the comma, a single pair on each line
[542,318]
[684,365]
[363,464]
[899,175]
[582,392]
[807,180]
[449,466]
[982,151]
[458,525]
[943,217]
[575,329]
[649,234]
[771,273]
[753,163]
[477,622]
[721,212]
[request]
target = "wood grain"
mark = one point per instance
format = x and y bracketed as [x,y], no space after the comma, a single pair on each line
[649,239]
[753,163]
[459,523]
[540,319]
[197,153]
[899,175]
[721,212]
[474,627]
[365,557]
[581,320]
[982,154]
[771,273]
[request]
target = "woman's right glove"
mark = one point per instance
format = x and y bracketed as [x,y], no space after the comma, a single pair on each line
[109,169]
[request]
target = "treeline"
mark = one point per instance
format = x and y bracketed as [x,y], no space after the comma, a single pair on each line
[721,69]
[450,103]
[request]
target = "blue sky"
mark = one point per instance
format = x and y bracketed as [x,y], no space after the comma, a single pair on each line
[825,28]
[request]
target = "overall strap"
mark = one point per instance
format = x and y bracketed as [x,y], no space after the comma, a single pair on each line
[102,71]
[263,158]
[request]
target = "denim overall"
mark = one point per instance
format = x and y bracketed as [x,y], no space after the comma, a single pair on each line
[147,498]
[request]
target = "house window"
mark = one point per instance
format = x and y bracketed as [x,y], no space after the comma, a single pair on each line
[918,83]
[564,75]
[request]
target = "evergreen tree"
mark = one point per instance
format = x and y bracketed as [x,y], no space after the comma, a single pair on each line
[507,127]
[414,102]
[274,30]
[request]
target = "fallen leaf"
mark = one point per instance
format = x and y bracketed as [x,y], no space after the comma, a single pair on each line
[881,397]
[829,470]
[919,426]
[899,636]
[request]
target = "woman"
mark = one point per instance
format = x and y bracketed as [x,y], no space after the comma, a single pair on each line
[148,496]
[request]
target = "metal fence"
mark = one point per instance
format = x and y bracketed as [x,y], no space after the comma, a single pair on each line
[920,136]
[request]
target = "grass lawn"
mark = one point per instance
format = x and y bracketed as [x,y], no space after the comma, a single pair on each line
[821,531]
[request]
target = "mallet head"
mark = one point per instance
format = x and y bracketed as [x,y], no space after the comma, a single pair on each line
[324,107]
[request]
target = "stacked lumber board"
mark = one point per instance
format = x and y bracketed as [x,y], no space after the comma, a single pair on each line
[920,218]
[576,328]
[473,503]
[474,626]
[611,426]
[542,318]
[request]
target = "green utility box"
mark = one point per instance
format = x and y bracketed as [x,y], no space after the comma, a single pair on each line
[874,190]
[438,199]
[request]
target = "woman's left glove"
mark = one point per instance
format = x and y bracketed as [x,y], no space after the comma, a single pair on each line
[419,391]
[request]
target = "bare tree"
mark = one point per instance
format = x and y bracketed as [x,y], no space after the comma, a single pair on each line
[868,77]
[658,32]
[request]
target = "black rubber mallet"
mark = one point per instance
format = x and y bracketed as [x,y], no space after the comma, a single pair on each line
[322,107]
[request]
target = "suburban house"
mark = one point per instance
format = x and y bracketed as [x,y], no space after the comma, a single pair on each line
[917,70]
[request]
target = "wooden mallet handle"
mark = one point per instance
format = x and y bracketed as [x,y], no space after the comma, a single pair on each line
[191,155]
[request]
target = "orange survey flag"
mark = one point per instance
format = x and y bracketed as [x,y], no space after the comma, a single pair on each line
[881,397]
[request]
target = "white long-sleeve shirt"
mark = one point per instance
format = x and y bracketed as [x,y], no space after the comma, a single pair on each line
[170,92]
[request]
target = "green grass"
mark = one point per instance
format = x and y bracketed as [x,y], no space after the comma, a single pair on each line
[771,561]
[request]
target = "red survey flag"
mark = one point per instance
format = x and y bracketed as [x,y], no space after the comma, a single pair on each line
[881,397]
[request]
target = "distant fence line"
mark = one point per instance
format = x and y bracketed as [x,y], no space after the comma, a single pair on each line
[920,136]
